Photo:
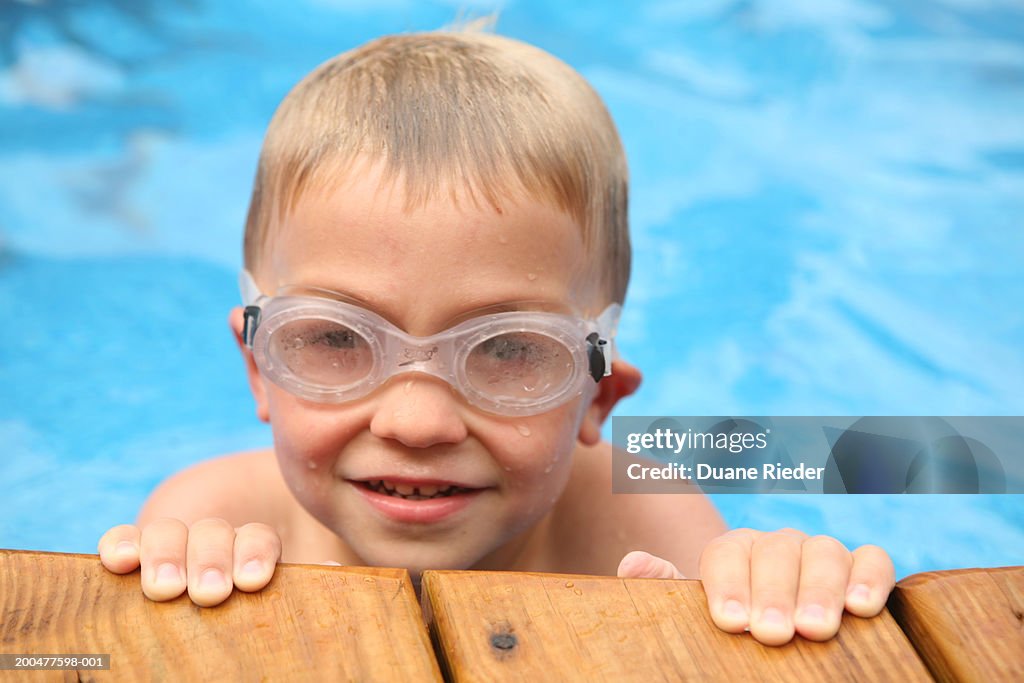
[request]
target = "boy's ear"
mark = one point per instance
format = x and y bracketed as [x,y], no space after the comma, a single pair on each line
[236,320]
[624,380]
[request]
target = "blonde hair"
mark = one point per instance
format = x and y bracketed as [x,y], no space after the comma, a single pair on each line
[443,110]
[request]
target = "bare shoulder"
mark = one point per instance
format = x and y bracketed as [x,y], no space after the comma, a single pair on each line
[594,528]
[241,488]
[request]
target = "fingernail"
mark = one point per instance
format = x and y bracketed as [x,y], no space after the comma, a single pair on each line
[252,568]
[125,548]
[167,573]
[773,616]
[812,613]
[859,593]
[734,609]
[212,578]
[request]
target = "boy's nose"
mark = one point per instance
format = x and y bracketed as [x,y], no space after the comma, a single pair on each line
[419,411]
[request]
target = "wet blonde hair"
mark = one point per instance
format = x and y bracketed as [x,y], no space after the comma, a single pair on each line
[444,110]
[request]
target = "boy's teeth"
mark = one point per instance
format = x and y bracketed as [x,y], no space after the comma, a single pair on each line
[412,492]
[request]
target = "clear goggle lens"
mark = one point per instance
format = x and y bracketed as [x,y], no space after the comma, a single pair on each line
[519,365]
[322,352]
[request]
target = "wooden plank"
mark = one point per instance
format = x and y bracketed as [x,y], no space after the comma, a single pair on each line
[500,626]
[968,624]
[311,623]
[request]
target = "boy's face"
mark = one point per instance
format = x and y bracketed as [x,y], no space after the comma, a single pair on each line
[424,271]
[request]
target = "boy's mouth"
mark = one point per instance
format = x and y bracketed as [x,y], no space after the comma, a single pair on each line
[410,492]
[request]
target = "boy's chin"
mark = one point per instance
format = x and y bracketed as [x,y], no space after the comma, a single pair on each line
[416,560]
[416,570]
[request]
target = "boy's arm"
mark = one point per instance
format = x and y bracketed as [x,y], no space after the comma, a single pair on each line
[196,531]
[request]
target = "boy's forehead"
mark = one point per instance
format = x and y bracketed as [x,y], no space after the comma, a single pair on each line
[359,235]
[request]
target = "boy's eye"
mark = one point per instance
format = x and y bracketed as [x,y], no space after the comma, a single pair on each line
[302,334]
[509,347]
[322,352]
[340,338]
[519,365]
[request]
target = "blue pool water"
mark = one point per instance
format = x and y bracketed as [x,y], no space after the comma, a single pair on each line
[826,210]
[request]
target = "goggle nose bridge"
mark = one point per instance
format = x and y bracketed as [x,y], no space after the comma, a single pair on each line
[404,353]
[417,355]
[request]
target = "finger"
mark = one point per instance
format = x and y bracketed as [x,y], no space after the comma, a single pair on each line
[257,550]
[640,565]
[872,578]
[162,554]
[824,575]
[774,580]
[119,548]
[725,572]
[211,545]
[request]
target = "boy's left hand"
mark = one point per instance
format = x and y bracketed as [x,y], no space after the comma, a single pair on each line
[779,583]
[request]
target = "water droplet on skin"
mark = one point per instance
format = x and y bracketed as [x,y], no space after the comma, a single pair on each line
[408,386]
[508,469]
[523,429]
[569,584]
[311,464]
[531,276]
[547,470]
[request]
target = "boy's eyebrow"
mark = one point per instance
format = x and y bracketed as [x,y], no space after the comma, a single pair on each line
[511,307]
[508,306]
[325,293]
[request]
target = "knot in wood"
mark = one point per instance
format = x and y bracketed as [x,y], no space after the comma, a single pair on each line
[503,641]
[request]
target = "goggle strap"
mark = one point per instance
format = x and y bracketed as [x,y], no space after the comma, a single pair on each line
[608,320]
[247,286]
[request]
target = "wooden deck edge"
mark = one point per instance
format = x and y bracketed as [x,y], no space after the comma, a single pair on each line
[914,580]
[901,610]
[909,606]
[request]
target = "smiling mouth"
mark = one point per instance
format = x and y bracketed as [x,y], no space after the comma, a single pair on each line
[408,492]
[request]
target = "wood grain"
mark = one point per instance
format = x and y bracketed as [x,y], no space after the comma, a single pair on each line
[500,626]
[311,623]
[968,625]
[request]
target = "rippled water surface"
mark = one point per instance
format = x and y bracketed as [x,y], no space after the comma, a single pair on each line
[826,209]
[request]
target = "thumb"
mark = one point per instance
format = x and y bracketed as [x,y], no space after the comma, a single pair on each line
[641,565]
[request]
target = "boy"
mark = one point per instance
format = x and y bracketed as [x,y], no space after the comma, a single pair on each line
[435,253]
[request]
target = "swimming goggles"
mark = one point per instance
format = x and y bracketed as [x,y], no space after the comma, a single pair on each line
[322,349]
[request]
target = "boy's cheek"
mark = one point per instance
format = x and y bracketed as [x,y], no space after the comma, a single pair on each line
[536,453]
[310,437]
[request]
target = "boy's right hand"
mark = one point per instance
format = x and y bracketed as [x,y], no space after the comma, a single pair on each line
[208,558]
